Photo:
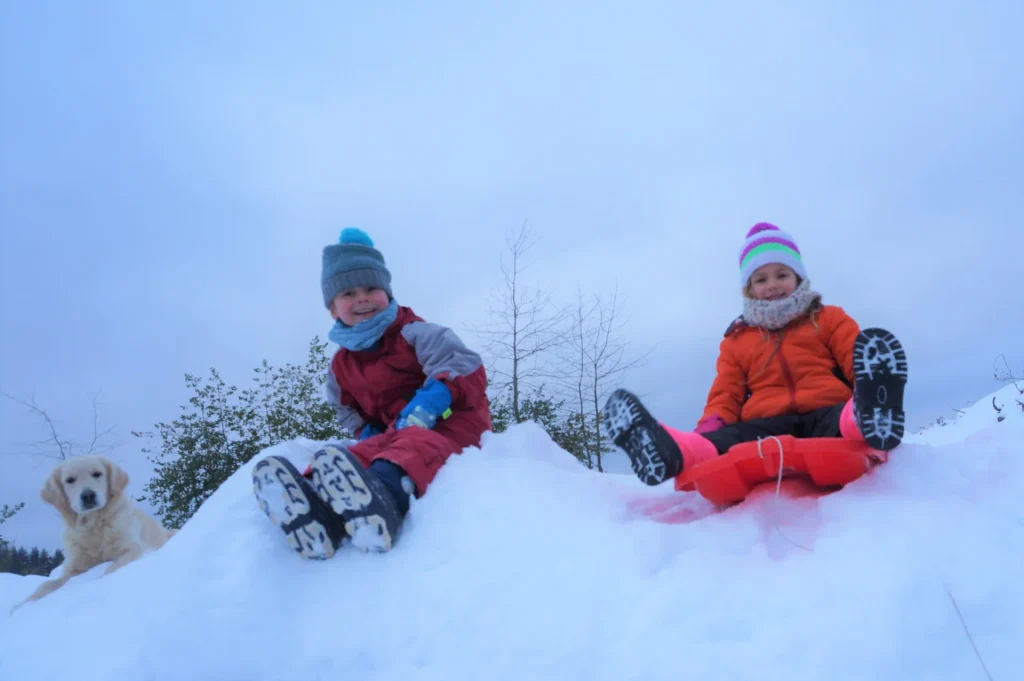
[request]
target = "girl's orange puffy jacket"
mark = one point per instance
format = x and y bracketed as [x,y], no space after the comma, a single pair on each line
[802,367]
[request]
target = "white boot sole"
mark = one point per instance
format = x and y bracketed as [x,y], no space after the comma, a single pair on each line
[343,484]
[281,498]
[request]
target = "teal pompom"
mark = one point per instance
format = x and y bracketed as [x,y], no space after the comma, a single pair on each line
[354,235]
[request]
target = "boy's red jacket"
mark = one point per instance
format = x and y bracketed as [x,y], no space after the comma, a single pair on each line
[790,371]
[375,385]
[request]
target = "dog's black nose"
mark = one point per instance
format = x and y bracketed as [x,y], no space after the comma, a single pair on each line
[88,498]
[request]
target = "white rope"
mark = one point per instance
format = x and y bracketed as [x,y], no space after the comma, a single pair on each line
[778,489]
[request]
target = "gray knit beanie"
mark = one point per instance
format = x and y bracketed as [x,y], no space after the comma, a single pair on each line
[351,263]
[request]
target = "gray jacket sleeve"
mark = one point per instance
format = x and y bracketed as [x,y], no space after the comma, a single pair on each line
[439,351]
[348,417]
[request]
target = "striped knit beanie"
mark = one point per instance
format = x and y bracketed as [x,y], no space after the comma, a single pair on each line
[766,244]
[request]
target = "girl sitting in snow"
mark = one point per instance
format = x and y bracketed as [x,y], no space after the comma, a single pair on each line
[410,389]
[787,366]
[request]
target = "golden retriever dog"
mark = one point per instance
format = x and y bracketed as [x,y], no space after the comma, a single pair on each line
[101,524]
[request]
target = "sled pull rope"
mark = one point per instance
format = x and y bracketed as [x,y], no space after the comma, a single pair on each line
[778,489]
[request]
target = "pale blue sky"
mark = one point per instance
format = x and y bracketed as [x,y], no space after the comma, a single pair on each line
[170,174]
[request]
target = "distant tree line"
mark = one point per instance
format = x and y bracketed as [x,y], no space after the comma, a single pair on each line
[34,561]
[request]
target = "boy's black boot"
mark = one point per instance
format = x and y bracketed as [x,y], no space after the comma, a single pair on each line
[368,509]
[291,503]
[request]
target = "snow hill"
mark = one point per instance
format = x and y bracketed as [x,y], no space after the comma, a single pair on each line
[520,564]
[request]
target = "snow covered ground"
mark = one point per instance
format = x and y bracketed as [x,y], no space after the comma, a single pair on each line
[520,564]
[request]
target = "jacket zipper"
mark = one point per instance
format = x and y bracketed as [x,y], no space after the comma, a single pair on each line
[789,379]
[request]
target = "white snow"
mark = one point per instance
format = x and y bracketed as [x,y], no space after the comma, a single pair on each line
[521,564]
[979,416]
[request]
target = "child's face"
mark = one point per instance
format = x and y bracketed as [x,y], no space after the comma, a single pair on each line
[772,282]
[356,305]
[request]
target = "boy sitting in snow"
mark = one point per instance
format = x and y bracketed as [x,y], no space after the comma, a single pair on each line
[410,389]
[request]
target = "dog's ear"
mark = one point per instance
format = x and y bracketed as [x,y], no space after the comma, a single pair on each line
[117,479]
[53,492]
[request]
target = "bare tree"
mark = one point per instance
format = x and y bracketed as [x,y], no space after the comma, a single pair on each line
[56,447]
[523,328]
[600,357]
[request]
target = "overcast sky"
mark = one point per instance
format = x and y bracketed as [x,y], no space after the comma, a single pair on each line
[170,172]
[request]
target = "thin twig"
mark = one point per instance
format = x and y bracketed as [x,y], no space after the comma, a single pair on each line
[967,631]
[65,448]
[1009,375]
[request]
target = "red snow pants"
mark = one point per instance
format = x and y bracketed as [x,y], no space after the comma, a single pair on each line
[419,452]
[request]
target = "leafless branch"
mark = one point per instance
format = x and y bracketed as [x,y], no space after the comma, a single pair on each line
[56,447]
[94,445]
[1008,377]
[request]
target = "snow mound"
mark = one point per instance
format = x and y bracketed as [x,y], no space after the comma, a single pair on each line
[1002,406]
[521,564]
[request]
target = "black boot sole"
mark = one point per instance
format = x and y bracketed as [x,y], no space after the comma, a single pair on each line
[292,504]
[653,454]
[366,507]
[880,377]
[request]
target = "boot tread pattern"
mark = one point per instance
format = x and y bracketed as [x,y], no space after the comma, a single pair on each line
[280,495]
[342,482]
[626,420]
[880,375]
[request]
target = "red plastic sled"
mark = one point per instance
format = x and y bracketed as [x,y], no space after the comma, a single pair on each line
[828,462]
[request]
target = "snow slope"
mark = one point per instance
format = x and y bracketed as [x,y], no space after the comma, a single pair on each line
[979,416]
[520,564]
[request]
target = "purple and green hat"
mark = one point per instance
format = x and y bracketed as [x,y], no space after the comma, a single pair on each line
[766,244]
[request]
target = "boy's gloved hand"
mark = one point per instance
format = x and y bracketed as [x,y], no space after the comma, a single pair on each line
[430,403]
[369,430]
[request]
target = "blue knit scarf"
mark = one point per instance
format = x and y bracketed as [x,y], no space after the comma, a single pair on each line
[367,332]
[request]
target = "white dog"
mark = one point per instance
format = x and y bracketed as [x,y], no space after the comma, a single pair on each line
[101,524]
